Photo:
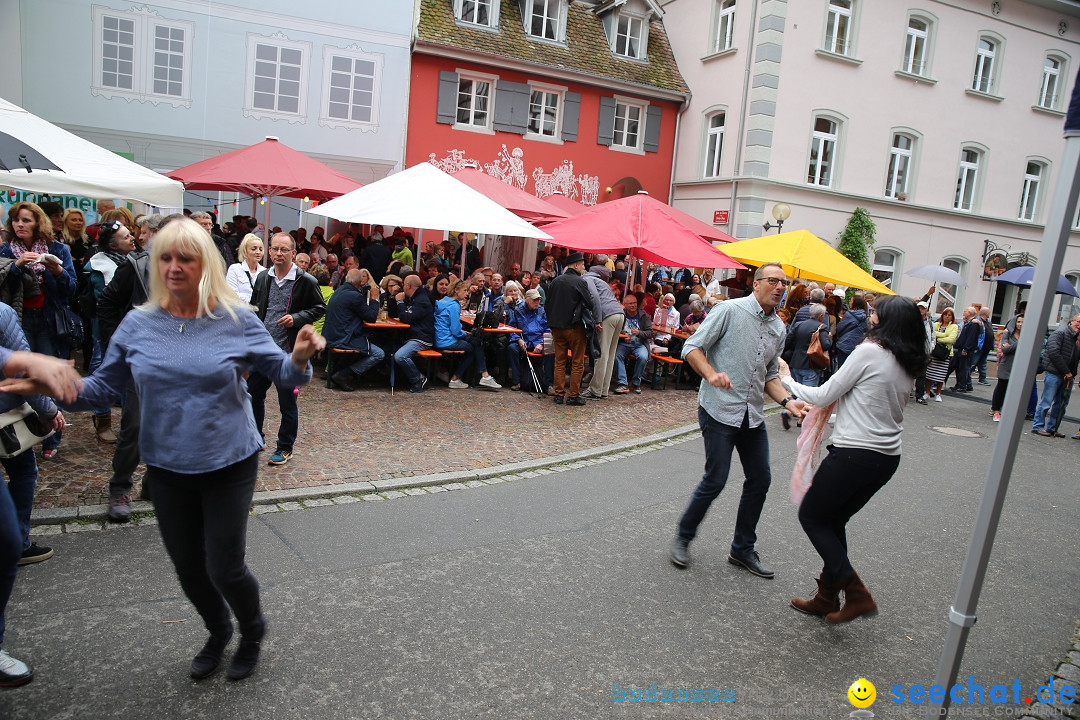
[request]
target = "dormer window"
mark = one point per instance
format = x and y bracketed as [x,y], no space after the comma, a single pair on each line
[630,36]
[544,18]
[477,12]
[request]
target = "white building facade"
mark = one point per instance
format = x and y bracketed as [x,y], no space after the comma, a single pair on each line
[942,118]
[170,82]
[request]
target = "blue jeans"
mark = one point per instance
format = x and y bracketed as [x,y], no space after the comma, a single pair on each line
[41,336]
[474,352]
[980,359]
[404,359]
[806,376]
[11,549]
[258,384]
[641,356]
[1054,387]
[753,447]
[514,355]
[22,473]
[374,358]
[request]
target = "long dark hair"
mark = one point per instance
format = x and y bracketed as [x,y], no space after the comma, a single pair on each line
[900,330]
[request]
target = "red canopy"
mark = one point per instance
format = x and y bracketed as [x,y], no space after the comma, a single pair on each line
[647,227]
[525,206]
[268,168]
[568,206]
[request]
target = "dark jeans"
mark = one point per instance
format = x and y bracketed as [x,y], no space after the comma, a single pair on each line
[845,481]
[22,473]
[999,394]
[963,370]
[753,447]
[126,455]
[404,359]
[474,352]
[980,358]
[41,337]
[203,522]
[258,384]
[514,355]
[11,548]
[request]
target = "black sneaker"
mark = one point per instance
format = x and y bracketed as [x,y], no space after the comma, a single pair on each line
[752,563]
[13,673]
[119,508]
[35,554]
[419,387]
[576,401]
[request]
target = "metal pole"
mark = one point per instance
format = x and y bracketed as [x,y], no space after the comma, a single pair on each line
[1055,238]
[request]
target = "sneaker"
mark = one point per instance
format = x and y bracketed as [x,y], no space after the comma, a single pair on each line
[48,454]
[35,554]
[419,387]
[443,376]
[984,382]
[997,417]
[119,508]
[489,382]
[457,385]
[637,389]
[13,673]
[280,457]
[1076,436]
[589,395]
[937,398]
[622,390]
[925,397]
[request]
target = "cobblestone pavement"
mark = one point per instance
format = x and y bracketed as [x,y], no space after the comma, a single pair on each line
[370,435]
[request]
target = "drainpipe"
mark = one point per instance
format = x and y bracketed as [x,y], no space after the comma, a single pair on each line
[740,135]
[675,148]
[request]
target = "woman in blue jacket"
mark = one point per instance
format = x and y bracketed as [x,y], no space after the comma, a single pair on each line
[850,330]
[450,336]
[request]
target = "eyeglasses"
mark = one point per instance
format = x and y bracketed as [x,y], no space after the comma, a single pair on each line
[774,281]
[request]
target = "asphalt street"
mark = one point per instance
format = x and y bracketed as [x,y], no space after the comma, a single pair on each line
[547,596]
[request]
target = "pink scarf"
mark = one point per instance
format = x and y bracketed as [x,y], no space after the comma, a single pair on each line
[17,249]
[814,426]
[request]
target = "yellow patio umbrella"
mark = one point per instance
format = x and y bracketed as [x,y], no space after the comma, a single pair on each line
[804,256]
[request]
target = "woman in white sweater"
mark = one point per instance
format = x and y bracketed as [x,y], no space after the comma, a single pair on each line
[872,388]
[241,276]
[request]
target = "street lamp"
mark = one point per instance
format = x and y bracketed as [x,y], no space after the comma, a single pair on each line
[780,212]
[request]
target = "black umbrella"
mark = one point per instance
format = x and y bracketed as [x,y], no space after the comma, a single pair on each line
[15,154]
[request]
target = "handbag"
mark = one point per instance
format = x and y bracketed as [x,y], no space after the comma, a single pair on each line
[20,430]
[817,357]
[69,326]
[940,351]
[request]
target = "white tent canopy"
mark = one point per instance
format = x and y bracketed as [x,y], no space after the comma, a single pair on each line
[425,197]
[85,168]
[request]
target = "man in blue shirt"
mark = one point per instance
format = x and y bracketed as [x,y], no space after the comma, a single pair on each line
[736,351]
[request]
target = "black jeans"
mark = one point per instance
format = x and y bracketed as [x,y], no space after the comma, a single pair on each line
[845,481]
[258,384]
[203,522]
[126,455]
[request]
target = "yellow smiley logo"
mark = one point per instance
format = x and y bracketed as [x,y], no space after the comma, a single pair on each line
[862,693]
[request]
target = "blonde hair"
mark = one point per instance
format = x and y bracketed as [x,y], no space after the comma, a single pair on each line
[67,234]
[187,236]
[241,251]
[386,281]
[365,279]
[123,215]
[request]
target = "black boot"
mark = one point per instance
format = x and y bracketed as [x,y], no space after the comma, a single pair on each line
[208,659]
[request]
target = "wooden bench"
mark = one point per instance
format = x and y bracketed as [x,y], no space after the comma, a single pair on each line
[659,363]
[431,356]
[333,354]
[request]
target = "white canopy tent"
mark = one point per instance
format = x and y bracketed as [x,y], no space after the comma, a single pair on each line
[423,196]
[84,168]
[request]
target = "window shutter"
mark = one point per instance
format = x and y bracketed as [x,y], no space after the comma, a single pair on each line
[571,112]
[605,132]
[511,107]
[446,110]
[652,128]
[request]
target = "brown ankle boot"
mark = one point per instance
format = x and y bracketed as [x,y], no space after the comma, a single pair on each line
[826,600]
[103,428]
[857,601]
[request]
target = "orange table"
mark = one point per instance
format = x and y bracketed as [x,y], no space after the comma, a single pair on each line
[389,324]
[503,327]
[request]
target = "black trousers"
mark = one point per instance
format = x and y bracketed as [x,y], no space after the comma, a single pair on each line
[203,522]
[845,481]
[126,455]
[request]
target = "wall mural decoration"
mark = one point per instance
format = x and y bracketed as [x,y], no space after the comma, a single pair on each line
[509,167]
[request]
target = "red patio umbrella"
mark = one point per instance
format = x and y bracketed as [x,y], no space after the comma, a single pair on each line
[649,228]
[523,204]
[269,168]
[568,206]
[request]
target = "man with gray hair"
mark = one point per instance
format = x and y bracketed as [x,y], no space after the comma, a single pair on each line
[206,222]
[803,370]
[349,308]
[609,324]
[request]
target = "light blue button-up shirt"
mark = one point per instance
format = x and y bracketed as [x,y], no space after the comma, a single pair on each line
[739,339]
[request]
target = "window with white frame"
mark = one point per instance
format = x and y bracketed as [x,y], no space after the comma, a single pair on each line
[916,46]
[1029,196]
[351,88]
[629,36]
[544,20]
[822,152]
[1051,79]
[966,179]
[474,102]
[629,122]
[477,12]
[140,55]
[884,267]
[983,79]
[1067,304]
[714,144]
[544,112]
[277,77]
[838,27]
[725,26]
[948,293]
[896,182]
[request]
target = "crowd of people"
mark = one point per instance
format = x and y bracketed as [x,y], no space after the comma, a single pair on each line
[183,313]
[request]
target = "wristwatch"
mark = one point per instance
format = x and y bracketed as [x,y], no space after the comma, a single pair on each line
[785,401]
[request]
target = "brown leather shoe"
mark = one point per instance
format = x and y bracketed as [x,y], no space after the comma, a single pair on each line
[826,600]
[857,601]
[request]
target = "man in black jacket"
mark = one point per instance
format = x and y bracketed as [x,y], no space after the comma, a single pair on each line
[967,344]
[413,306]
[1060,358]
[286,299]
[569,306]
[349,308]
